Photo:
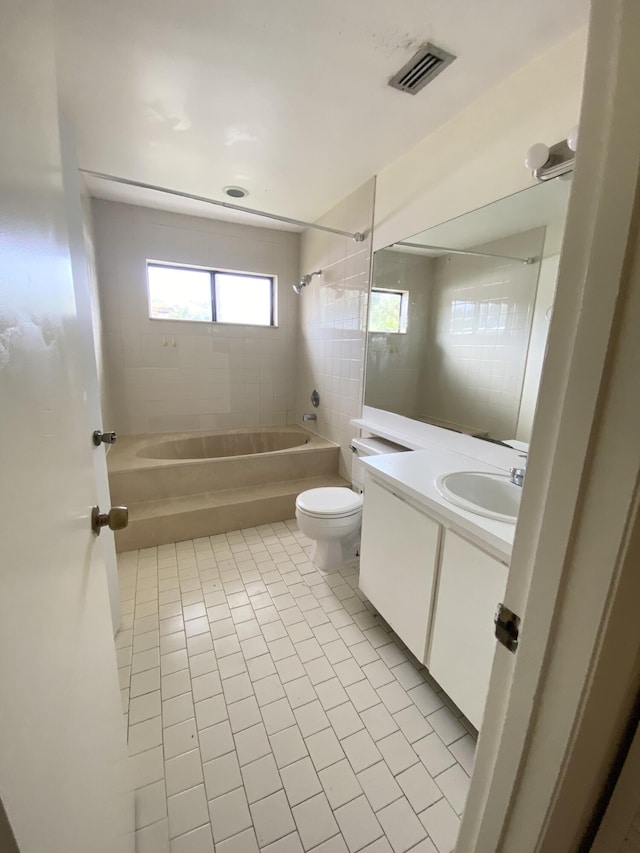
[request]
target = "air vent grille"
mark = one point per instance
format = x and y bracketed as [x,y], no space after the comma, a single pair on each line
[421,69]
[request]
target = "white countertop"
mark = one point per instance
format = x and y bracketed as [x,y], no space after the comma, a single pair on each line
[420,436]
[414,473]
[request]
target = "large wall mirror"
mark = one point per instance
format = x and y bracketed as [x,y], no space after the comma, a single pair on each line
[459,315]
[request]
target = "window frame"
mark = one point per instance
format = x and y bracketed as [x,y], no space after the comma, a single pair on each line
[212,285]
[402,313]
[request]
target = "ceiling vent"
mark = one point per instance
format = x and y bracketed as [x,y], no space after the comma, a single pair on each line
[427,63]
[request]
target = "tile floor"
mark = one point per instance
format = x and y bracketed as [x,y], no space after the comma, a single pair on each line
[270,709]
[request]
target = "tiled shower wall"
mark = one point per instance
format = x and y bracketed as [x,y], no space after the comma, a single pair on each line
[173,375]
[396,362]
[333,319]
[481,321]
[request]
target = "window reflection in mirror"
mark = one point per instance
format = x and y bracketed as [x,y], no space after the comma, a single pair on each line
[470,352]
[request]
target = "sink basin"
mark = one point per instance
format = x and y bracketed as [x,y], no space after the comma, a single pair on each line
[490,495]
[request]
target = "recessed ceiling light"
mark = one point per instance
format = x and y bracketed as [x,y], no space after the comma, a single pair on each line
[236,192]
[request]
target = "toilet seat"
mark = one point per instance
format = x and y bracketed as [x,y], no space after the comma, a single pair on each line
[329,502]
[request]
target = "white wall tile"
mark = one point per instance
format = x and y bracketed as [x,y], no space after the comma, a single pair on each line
[333,313]
[169,375]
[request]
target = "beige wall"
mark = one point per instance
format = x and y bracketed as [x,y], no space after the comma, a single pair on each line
[172,375]
[478,156]
[333,318]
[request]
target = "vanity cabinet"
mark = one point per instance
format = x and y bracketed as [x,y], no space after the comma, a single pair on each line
[462,645]
[438,592]
[398,562]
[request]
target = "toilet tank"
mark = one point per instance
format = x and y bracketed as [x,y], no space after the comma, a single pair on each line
[368,447]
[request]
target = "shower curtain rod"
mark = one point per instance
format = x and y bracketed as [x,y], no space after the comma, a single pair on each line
[357,236]
[463,252]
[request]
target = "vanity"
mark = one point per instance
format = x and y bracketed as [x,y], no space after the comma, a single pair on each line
[434,571]
[456,335]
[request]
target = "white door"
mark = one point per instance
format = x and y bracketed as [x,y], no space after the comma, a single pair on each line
[85,295]
[556,710]
[63,780]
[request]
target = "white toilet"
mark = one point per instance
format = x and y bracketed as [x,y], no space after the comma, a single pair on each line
[332,517]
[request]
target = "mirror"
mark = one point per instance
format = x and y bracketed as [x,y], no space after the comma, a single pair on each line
[459,314]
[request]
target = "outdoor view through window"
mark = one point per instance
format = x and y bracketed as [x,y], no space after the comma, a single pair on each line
[388,312]
[210,296]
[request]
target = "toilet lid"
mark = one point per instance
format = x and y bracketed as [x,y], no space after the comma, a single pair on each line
[329,501]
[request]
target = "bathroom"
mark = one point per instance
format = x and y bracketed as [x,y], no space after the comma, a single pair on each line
[289,682]
[322,666]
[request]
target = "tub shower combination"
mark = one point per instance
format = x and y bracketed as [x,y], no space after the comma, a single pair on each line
[186,485]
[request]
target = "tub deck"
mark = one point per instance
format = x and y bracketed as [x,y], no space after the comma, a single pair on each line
[174,499]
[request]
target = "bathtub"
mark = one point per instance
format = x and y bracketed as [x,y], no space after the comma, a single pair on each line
[191,484]
[218,445]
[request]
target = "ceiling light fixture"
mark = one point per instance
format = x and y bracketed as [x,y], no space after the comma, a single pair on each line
[236,192]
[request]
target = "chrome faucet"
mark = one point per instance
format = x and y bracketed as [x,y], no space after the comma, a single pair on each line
[311,417]
[517,474]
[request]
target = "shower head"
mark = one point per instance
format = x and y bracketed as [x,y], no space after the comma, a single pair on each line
[304,281]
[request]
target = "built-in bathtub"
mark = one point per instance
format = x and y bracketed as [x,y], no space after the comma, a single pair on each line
[192,484]
[220,445]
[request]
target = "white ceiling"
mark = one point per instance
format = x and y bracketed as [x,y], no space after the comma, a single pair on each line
[287,98]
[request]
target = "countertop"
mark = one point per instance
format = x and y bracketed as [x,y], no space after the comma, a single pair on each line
[413,474]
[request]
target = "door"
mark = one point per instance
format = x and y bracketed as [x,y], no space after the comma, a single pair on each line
[399,553]
[556,709]
[63,779]
[78,218]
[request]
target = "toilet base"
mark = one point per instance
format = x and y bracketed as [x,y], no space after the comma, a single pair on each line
[329,555]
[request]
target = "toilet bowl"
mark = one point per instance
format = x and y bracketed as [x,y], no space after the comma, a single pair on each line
[331,517]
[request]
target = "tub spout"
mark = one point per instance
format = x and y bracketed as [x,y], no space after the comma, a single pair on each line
[310,417]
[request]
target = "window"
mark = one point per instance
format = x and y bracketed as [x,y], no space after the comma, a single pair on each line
[388,311]
[481,316]
[209,296]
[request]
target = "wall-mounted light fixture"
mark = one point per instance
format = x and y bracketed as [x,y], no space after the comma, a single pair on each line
[547,163]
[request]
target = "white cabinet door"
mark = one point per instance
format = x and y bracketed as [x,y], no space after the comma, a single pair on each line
[398,559]
[470,585]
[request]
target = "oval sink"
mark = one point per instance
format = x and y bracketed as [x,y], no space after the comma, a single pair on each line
[491,495]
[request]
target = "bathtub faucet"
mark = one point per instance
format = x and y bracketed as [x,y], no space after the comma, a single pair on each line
[311,417]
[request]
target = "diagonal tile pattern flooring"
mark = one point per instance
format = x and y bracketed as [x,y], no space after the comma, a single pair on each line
[269,707]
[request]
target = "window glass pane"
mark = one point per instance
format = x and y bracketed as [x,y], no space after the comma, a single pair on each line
[387,314]
[179,294]
[243,299]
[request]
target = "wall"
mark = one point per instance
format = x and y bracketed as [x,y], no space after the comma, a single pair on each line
[477,157]
[172,375]
[333,319]
[395,362]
